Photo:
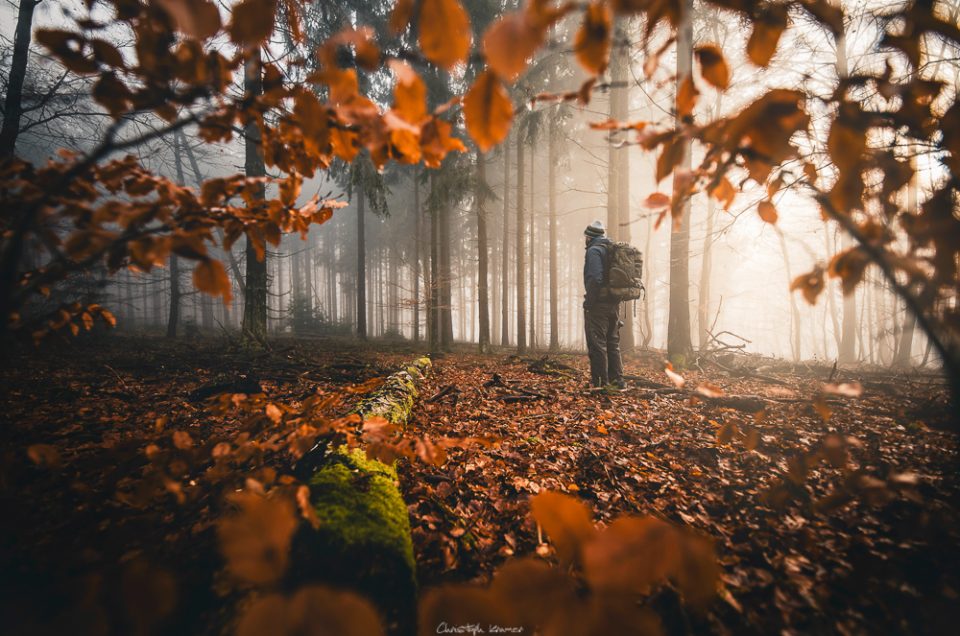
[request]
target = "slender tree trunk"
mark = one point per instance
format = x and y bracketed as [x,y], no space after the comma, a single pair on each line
[552,200]
[905,345]
[173,317]
[831,298]
[794,310]
[521,263]
[12,106]
[703,302]
[679,346]
[505,252]
[620,104]
[482,289]
[255,297]
[418,214]
[433,320]
[446,281]
[533,253]
[361,266]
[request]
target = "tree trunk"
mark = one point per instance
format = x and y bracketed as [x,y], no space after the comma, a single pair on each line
[12,107]
[433,310]
[446,280]
[679,346]
[505,251]
[255,296]
[361,266]
[482,289]
[532,255]
[620,103]
[552,200]
[418,214]
[703,302]
[794,310]
[521,265]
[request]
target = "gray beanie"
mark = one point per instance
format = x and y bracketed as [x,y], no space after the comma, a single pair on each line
[595,229]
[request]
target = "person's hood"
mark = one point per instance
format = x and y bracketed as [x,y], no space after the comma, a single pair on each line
[600,240]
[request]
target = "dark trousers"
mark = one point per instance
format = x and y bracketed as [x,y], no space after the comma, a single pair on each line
[602,324]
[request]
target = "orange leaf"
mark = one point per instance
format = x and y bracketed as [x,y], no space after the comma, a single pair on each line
[810,284]
[677,379]
[211,277]
[312,610]
[198,19]
[256,542]
[723,192]
[686,97]
[400,16]
[568,521]
[767,212]
[445,36]
[410,93]
[767,29]
[657,200]
[488,111]
[713,66]
[252,21]
[510,43]
[849,266]
[592,41]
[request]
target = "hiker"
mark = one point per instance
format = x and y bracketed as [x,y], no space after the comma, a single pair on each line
[601,313]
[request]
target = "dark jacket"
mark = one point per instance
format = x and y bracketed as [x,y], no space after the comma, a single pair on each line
[594,265]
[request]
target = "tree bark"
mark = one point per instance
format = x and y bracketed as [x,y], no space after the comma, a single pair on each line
[521,265]
[620,103]
[532,342]
[418,214]
[482,265]
[361,266]
[552,201]
[13,107]
[505,251]
[255,296]
[679,346]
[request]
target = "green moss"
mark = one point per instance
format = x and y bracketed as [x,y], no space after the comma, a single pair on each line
[363,541]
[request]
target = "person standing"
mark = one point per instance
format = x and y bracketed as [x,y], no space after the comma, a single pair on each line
[601,314]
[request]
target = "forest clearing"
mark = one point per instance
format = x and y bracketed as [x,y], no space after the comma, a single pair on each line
[390,317]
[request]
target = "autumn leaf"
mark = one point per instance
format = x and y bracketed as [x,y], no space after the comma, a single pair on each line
[849,266]
[210,277]
[316,610]
[592,41]
[657,200]
[409,94]
[713,66]
[631,555]
[566,520]
[445,36]
[767,212]
[686,97]
[252,21]
[400,16]
[677,379]
[768,26]
[488,111]
[509,44]
[723,192]
[199,19]
[255,542]
[810,285]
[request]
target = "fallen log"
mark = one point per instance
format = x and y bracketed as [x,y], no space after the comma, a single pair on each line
[363,539]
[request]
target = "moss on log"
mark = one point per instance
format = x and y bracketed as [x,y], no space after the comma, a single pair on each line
[363,542]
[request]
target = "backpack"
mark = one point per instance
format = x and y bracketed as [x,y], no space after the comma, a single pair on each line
[623,273]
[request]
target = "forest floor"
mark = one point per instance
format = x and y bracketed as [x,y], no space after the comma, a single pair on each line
[829,512]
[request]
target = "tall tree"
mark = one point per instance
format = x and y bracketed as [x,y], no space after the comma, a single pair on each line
[679,346]
[361,265]
[483,293]
[848,337]
[552,202]
[505,251]
[255,296]
[618,197]
[521,262]
[12,106]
